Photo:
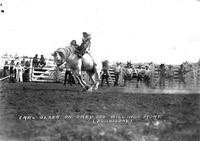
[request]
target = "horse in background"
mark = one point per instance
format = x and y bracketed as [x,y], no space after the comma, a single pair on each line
[77,65]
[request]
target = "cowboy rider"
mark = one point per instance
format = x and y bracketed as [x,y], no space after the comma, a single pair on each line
[85,45]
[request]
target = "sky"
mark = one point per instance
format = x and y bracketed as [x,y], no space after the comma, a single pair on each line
[160,31]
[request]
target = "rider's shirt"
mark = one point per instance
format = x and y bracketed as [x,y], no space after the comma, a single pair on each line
[86,43]
[162,72]
[170,73]
[147,72]
[128,70]
[118,69]
[181,72]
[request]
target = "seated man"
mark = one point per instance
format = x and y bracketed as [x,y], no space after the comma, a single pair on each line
[42,61]
[85,45]
[35,61]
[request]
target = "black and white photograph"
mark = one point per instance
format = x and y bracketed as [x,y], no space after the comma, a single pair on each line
[99,70]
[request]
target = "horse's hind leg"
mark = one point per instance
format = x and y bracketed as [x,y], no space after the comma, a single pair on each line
[82,83]
[97,74]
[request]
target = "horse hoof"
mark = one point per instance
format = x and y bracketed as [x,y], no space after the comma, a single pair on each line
[90,89]
[95,88]
[84,90]
[87,87]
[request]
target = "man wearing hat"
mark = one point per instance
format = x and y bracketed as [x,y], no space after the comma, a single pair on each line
[181,76]
[35,61]
[117,72]
[85,45]
[170,76]
[105,72]
[162,76]
[147,76]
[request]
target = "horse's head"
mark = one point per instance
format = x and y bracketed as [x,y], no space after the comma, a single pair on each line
[58,58]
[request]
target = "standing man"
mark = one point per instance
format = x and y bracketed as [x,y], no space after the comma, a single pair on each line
[68,76]
[147,77]
[162,76]
[127,73]
[140,75]
[19,71]
[12,65]
[105,74]
[170,76]
[181,76]
[117,73]
[5,69]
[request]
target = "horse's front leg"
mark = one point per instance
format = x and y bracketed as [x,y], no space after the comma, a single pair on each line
[86,86]
[80,80]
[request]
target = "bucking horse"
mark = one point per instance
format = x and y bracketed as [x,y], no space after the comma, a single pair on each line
[77,65]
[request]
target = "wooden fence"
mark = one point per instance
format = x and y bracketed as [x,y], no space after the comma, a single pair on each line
[51,74]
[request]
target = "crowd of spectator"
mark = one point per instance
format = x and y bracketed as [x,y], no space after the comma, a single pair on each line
[144,75]
[16,69]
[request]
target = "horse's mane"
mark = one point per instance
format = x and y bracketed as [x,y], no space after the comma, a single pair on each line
[66,51]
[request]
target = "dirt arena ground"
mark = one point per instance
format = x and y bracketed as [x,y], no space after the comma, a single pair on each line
[53,112]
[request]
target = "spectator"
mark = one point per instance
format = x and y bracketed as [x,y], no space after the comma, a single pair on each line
[19,72]
[12,65]
[26,71]
[42,61]
[35,61]
[127,73]
[69,77]
[147,76]
[140,76]
[6,69]
[170,76]
[162,76]
[117,72]
[181,76]
[105,74]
